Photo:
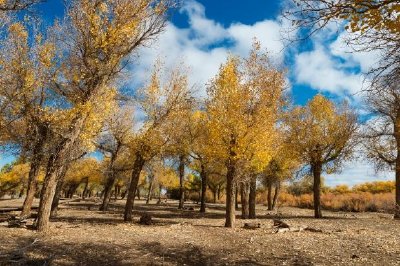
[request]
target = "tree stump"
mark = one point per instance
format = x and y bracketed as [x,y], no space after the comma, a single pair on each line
[146,219]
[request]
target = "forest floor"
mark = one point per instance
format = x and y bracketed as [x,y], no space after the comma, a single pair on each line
[82,235]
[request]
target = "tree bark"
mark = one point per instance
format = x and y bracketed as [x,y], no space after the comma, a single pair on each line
[37,157]
[203,176]
[85,190]
[137,169]
[57,194]
[317,169]
[236,196]
[277,187]
[181,181]
[109,183]
[252,198]
[150,189]
[397,169]
[244,200]
[269,195]
[230,197]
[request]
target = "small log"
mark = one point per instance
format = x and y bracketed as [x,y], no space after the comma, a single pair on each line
[280,224]
[252,226]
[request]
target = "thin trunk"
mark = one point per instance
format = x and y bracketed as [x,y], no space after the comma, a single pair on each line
[109,183]
[36,161]
[137,169]
[203,176]
[150,189]
[244,195]
[215,196]
[252,198]
[138,193]
[236,197]
[269,195]
[397,169]
[230,198]
[219,192]
[277,187]
[85,190]
[181,181]
[57,194]
[317,169]
[159,194]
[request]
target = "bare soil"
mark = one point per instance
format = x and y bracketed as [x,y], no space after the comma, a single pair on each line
[82,235]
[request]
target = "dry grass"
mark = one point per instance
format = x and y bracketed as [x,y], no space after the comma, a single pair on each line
[351,202]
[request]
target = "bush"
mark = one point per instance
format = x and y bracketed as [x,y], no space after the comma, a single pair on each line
[352,201]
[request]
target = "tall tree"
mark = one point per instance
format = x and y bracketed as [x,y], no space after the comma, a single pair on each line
[382,140]
[242,106]
[95,40]
[322,135]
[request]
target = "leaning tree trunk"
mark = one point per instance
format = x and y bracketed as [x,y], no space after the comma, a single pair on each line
[57,194]
[36,161]
[317,169]
[181,181]
[230,197]
[56,161]
[137,169]
[244,195]
[277,187]
[203,176]
[109,183]
[252,198]
[269,195]
[150,189]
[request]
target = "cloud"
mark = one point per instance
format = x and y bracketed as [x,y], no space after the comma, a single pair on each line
[204,45]
[356,173]
[333,66]
[318,69]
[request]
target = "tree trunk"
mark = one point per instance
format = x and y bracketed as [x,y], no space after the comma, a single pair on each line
[159,194]
[215,196]
[236,196]
[137,169]
[317,169]
[181,181]
[269,195]
[57,194]
[252,198]
[36,161]
[397,169]
[138,193]
[244,195]
[85,190]
[219,192]
[203,176]
[109,183]
[230,198]
[59,157]
[150,189]
[277,187]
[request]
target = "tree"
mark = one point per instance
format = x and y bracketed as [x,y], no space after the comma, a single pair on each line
[382,135]
[323,137]
[117,133]
[159,103]
[373,26]
[282,167]
[243,104]
[94,42]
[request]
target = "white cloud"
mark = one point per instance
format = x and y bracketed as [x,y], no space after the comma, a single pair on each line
[205,45]
[318,69]
[357,172]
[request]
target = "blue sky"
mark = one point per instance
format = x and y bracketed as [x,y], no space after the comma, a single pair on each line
[202,33]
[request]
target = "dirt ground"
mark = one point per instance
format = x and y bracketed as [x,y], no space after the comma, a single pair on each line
[82,235]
